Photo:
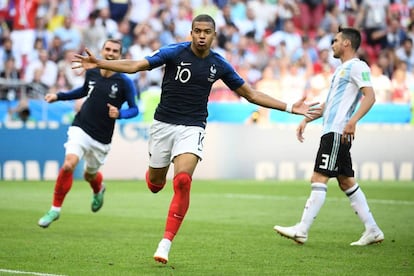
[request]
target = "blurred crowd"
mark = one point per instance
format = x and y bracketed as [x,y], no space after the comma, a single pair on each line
[282,47]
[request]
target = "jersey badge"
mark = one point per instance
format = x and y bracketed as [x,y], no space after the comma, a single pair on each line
[114,91]
[213,72]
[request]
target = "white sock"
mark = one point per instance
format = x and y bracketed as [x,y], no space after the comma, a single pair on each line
[57,209]
[313,205]
[360,205]
[165,243]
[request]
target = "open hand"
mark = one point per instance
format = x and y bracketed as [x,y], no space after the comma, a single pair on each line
[85,62]
[309,110]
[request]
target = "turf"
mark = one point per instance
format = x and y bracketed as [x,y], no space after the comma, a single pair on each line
[228,231]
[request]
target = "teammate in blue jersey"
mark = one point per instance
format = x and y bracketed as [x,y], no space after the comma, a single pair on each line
[177,133]
[90,135]
[350,82]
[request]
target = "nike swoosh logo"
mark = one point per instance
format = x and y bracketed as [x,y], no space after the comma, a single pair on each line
[177,216]
[185,63]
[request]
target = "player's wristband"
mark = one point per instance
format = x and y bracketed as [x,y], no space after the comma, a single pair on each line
[289,107]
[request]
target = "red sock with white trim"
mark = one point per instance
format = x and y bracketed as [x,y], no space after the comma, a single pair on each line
[179,204]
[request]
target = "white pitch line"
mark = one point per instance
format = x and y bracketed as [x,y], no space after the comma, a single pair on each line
[379,201]
[28,272]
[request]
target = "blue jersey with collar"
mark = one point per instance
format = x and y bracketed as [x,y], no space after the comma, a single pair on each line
[187,83]
[93,116]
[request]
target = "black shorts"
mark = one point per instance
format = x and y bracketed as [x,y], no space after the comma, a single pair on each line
[333,157]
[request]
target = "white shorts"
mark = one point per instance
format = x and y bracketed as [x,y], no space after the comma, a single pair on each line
[84,146]
[166,141]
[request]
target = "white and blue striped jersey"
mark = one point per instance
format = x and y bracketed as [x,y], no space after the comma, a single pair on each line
[344,94]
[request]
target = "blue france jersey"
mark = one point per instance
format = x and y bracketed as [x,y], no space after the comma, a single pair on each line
[93,116]
[187,83]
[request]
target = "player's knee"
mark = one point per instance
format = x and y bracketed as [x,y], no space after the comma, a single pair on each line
[155,188]
[88,177]
[182,182]
[68,167]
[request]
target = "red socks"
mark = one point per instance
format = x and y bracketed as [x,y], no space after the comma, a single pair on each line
[179,204]
[153,187]
[96,184]
[63,184]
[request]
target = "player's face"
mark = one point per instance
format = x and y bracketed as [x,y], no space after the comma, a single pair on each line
[111,51]
[337,45]
[203,34]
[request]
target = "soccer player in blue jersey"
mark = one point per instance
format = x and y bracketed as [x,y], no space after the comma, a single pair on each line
[90,135]
[350,82]
[177,133]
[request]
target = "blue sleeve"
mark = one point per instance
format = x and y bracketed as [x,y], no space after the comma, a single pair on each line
[130,95]
[161,56]
[76,93]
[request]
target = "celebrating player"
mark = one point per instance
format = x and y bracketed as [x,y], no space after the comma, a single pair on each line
[90,134]
[177,133]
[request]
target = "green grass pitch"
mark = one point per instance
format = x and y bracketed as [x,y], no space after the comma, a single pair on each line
[228,230]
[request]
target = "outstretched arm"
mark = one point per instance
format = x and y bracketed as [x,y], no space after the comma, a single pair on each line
[310,110]
[121,65]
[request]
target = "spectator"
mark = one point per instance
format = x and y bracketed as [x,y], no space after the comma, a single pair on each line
[56,52]
[139,12]
[24,25]
[381,84]
[42,70]
[396,34]
[125,35]
[141,46]
[268,84]
[7,51]
[288,36]
[110,25]
[401,81]
[42,33]
[285,10]
[9,74]
[95,34]
[310,15]
[251,25]
[405,53]
[372,18]
[119,9]
[323,62]
[182,22]
[319,84]
[401,11]
[386,60]
[80,10]
[69,34]
[74,78]
[332,16]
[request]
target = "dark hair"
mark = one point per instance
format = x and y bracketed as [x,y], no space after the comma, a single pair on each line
[116,41]
[204,18]
[353,35]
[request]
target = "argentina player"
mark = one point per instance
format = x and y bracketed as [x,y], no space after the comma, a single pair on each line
[351,82]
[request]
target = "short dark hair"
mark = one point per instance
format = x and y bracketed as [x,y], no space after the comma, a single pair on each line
[204,18]
[116,41]
[353,35]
